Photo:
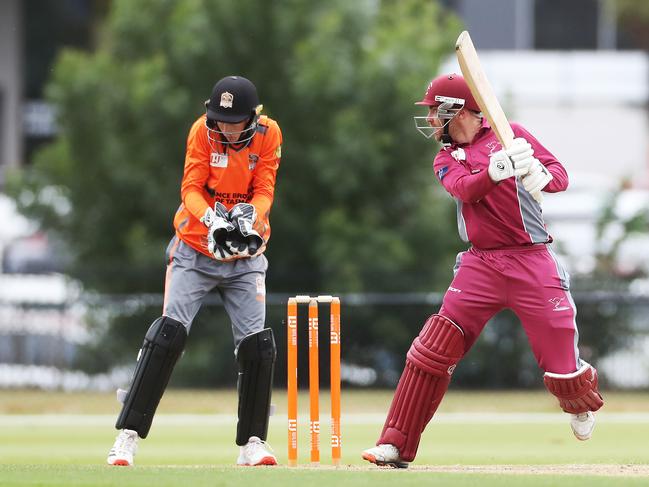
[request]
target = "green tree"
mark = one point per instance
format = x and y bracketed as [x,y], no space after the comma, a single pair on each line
[359,202]
[357,207]
[613,230]
[633,19]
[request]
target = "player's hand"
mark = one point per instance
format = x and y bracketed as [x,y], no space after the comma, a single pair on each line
[522,155]
[243,240]
[537,178]
[500,166]
[218,226]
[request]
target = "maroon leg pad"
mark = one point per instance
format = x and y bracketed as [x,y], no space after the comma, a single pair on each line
[577,392]
[429,365]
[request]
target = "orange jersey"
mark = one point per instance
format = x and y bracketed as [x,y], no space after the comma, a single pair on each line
[214,172]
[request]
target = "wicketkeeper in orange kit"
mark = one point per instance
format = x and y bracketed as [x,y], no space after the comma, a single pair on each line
[222,229]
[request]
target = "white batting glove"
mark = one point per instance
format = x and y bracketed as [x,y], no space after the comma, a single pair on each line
[537,178]
[521,155]
[500,166]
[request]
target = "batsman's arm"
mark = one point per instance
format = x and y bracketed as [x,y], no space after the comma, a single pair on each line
[459,182]
[559,174]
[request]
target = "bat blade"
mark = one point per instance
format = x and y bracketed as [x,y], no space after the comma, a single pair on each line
[481,89]
[483,92]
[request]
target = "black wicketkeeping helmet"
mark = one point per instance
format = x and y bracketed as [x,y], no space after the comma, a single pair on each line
[234,99]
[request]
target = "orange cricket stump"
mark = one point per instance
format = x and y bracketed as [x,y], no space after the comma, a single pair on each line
[314,382]
[291,348]
[314,377]
[334,342]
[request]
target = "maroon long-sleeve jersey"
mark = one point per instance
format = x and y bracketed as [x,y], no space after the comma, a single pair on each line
[493,215]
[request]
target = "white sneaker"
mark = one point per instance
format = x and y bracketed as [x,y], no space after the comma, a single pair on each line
[583,425]
[124,449]
[256,452]
[384,454]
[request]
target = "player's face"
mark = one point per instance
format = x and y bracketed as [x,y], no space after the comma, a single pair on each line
[232,131]
[435,122]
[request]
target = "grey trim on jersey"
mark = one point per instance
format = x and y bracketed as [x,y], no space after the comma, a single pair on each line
[458,262]
[461,224]
[531,215]
[564,276]
[240,283]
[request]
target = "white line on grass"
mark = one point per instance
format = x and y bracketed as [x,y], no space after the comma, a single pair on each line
[8,420]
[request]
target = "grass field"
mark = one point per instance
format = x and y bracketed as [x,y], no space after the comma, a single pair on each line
[493,438]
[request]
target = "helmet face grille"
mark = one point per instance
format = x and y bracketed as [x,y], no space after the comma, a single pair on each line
[217,136]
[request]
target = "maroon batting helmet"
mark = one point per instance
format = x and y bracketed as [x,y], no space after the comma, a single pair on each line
[449,86]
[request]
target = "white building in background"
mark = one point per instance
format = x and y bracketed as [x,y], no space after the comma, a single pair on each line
[589,108]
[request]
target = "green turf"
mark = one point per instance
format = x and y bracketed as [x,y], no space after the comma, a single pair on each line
[355,401]
[229,476]
[52,451]
[173,476]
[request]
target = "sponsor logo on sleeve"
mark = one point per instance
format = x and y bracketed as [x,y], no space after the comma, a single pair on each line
[442,172]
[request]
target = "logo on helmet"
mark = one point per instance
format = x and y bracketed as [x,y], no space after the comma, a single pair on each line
[226,99]
[450,100]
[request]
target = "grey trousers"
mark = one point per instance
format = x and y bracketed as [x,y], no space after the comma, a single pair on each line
[241,284]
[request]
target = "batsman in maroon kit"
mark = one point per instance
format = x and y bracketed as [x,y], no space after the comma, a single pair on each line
[510,264]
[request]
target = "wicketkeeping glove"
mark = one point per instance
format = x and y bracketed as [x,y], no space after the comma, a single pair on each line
[218,226]
[243,239]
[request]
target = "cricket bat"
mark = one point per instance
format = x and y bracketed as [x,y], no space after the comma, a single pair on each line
[483,93]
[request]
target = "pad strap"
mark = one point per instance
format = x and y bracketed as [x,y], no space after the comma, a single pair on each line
[577,392]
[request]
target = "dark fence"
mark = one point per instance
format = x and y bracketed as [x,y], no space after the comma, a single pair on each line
[93,343]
